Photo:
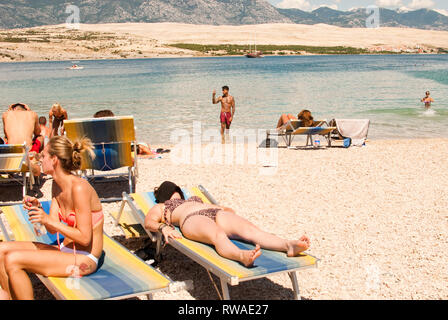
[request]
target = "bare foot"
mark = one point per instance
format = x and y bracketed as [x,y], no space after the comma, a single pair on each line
[248,257]
[295,247]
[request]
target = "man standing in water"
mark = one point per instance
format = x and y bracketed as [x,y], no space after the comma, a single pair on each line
[427,100]
[227,109]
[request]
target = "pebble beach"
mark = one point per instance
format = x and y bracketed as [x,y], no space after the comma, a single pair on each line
[377,217]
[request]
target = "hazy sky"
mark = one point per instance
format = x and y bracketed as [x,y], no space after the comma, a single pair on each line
[308,5]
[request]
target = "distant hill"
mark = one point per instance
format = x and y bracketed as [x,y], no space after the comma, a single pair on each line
[31,13]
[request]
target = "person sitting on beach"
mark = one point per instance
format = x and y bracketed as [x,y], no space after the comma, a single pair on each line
[304,115]
[44,130]
[427,100]
[59,114]
[76,213]
[213,225]
[20,125]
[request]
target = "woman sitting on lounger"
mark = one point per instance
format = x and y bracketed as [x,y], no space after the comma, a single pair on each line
[213,225]
[304,115]
[74,202]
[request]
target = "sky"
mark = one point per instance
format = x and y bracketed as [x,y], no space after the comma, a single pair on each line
[309,5]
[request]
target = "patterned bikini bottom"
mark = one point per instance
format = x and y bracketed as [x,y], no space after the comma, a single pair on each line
[209,213]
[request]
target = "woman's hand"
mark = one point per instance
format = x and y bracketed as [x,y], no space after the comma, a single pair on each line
[37,215]
[168,232]
[29,202]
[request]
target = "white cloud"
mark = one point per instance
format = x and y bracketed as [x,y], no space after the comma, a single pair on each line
[388,3]
[297,4]
[419,4]
[442,11]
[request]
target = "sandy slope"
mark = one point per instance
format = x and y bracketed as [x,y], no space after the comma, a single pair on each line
[143,40]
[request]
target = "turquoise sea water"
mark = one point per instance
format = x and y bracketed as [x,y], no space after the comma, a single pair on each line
[165,94]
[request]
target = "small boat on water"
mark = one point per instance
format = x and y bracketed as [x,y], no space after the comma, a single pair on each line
[75,67]
[257,54]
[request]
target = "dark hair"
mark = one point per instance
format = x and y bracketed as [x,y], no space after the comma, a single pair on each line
[42,120]
[103,114]
[165,191]
[18,105]
[306,117]
[225,88]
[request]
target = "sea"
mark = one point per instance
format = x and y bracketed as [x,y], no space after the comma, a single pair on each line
[166,95]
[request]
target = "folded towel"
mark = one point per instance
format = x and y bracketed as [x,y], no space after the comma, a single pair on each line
[356,129]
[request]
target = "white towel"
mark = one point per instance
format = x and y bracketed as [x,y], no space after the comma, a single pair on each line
[356,129]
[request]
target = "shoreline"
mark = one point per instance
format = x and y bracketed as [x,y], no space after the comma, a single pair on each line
[223,56]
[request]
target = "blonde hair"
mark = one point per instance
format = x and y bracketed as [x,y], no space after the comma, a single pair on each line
[70,153]
[57,106]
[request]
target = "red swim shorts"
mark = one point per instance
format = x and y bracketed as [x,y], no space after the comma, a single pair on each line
[36,146]
[225,118]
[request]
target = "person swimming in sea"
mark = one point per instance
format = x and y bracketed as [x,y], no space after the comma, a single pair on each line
[427,100]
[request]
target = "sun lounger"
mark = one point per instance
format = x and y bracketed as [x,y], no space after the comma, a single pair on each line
[113,138]
[15,166]
[293,128]
[229,272]
[122,274]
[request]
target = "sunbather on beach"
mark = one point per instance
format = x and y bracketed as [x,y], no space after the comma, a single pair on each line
[213,225]
[59,114]
[75,203]
[304,115]
[20,125]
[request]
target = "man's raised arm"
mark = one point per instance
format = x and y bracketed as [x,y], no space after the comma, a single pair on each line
[214,100]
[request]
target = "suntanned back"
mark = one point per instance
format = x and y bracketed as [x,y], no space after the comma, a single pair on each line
[20,126]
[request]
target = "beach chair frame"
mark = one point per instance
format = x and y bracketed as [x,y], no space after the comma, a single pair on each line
[292,129]
[26,177]
[60,295]
[225,278]
[132,172]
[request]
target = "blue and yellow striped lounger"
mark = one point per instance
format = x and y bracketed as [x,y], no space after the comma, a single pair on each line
[14,161]
[122,274]
[230,272]
[112,138]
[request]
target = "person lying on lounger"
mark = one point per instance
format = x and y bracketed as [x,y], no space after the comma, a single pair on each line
[212,224]
[304,115]
[74,202]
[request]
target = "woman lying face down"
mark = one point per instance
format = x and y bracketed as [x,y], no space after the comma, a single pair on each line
[214,225]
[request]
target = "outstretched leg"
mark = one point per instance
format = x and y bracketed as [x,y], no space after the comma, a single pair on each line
[238,227]
[203,229]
